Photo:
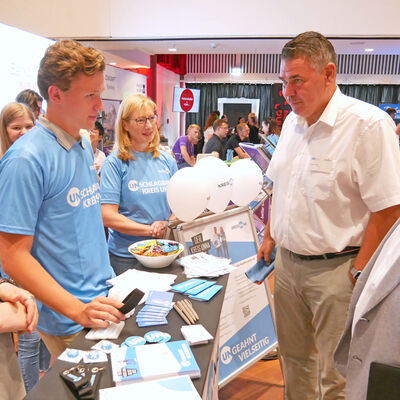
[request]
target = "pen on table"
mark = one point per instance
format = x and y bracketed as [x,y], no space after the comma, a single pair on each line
[191,308]
[178,310]
[186,310]
[182,307]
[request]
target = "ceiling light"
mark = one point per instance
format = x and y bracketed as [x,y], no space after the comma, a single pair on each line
[236,71]
[172,49]
[113,63]
[369,50]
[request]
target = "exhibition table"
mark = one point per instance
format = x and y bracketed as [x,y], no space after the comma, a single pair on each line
[51,386]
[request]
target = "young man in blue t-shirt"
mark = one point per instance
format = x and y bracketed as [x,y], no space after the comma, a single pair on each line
[52,239]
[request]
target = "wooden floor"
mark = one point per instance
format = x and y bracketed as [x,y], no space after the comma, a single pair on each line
[262,381]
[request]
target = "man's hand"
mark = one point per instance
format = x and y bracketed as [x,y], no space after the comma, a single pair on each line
[266,249]
[99,312]
[13,294]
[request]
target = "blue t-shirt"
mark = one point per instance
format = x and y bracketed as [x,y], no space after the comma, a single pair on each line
[53,194]
[139,188]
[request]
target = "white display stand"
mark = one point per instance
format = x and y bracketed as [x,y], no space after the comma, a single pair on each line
[246,325]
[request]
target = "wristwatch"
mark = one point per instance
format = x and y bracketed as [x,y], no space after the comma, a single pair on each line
[355,273]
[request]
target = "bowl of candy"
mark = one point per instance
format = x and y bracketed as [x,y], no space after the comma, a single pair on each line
[156,253]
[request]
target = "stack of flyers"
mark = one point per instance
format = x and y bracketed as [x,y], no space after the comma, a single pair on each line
[158,305]
[202,264]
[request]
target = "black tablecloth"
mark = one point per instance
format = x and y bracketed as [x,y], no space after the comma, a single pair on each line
[51,387]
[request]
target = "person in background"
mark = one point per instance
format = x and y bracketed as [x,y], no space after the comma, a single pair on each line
[239,137]
[96,134]
[216,143]
[184,147]
[269,130]
[15,120]
[253,125]
[241,120]
[208,128]
[49,182]
[392,112]
[32,99]
[373,324]
[229,134]
[18,313]
[134,181]
[336,193]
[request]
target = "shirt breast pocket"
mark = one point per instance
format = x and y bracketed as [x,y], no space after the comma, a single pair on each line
[317,180]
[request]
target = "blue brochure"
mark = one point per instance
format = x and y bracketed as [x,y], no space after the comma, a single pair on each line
[207,294]
[200,288]
[161,299]
[184,286]
[153,361]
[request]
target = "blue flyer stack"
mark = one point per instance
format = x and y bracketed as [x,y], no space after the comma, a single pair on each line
[156,309]
[198,289]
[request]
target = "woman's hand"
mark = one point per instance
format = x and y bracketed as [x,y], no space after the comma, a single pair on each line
[21,300]
[157,229]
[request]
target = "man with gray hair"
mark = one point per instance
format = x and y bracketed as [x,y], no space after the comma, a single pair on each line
[336,175]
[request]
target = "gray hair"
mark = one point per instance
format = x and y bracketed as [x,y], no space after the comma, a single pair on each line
[314,47]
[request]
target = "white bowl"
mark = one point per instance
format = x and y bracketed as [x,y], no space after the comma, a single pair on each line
[158,261]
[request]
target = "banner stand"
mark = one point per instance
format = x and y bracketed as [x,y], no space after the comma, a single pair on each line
[247,330]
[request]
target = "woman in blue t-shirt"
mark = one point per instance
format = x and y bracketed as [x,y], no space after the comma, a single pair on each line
[16,119]
[134,181]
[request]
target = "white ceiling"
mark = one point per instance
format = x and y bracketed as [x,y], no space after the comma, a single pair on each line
[125,52]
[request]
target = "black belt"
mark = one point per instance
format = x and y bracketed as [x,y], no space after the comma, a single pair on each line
[345,252]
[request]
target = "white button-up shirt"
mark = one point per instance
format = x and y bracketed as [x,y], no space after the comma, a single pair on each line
[329,177]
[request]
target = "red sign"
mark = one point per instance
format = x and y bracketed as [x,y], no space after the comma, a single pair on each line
[281,106]
[187,100]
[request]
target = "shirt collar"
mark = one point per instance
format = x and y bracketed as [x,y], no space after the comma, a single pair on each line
[63,138]
[330,112]
[218,137]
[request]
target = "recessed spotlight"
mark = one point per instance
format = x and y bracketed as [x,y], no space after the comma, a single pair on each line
[172,49]
[368,50]
[113,63]
[236,71]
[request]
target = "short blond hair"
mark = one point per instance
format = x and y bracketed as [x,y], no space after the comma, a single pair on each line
[193,126]
[133,105]
[9,113]
[63,61]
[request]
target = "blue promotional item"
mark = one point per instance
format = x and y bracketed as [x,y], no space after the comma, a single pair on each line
[260,271]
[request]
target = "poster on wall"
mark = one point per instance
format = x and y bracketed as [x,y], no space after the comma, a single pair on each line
[247,331]
[108,119]
[186,100]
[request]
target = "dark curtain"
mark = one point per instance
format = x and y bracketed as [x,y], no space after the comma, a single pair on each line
[211,92]
[373,94]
